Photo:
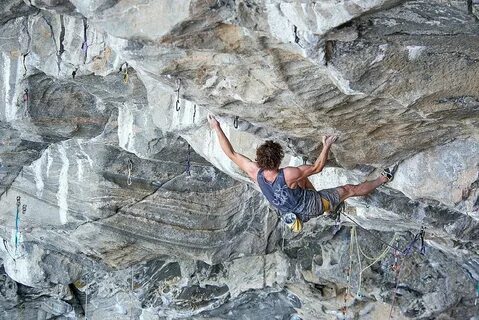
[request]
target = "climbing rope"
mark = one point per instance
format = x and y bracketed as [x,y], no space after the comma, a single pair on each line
[130,168]
[374,260]
[348,278]
[372,234]
[131,294]
[188,162]
[17,224]
[178,87]
[236,122]
[358,292]
[397,268]
[86,302]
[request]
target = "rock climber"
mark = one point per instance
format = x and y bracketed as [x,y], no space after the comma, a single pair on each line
[289,189]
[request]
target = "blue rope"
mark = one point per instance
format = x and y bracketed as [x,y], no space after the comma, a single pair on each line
[17,224]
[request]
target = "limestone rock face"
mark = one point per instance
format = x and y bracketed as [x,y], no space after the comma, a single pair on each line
[128,209]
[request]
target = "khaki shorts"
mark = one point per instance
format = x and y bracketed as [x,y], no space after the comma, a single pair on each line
[325,200]
[332,196]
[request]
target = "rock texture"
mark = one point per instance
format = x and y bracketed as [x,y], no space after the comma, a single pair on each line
[133,212]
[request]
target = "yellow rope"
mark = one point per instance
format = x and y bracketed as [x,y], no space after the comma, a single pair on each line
[345,308]
[379,257]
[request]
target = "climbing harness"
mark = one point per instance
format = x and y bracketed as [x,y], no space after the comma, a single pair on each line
[194,113]
[188,162]
[130,168]
[125,72]
[84,45]
[236,122]
[178,87]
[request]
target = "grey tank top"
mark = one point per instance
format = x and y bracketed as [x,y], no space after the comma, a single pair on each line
[281,196]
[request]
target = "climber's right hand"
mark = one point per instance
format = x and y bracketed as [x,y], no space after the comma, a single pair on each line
[329,140]
[214,124]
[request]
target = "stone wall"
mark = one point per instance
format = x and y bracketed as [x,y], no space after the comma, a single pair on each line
[133,211]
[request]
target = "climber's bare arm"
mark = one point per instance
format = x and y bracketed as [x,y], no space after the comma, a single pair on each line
[294,175]
[245,164]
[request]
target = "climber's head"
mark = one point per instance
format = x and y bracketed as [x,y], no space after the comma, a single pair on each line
[269,155]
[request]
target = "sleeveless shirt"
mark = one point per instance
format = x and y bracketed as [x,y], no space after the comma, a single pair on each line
[285,199]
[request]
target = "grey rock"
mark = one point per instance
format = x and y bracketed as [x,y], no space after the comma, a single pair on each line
[133,211]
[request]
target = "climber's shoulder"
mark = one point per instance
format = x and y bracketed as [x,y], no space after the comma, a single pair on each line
[292,174]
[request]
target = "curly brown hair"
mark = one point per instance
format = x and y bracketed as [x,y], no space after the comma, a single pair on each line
[269,155]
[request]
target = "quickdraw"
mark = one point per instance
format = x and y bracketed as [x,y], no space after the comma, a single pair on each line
[84,45]
[130,168]
[337,212]
[25,100]
[236,122]
[410,247]
[178,87]
[194,113]
[74,73]
[125,73]
[296,38]
[305,160]
[25,70]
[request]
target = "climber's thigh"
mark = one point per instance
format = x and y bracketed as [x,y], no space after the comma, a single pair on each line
[333,195]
